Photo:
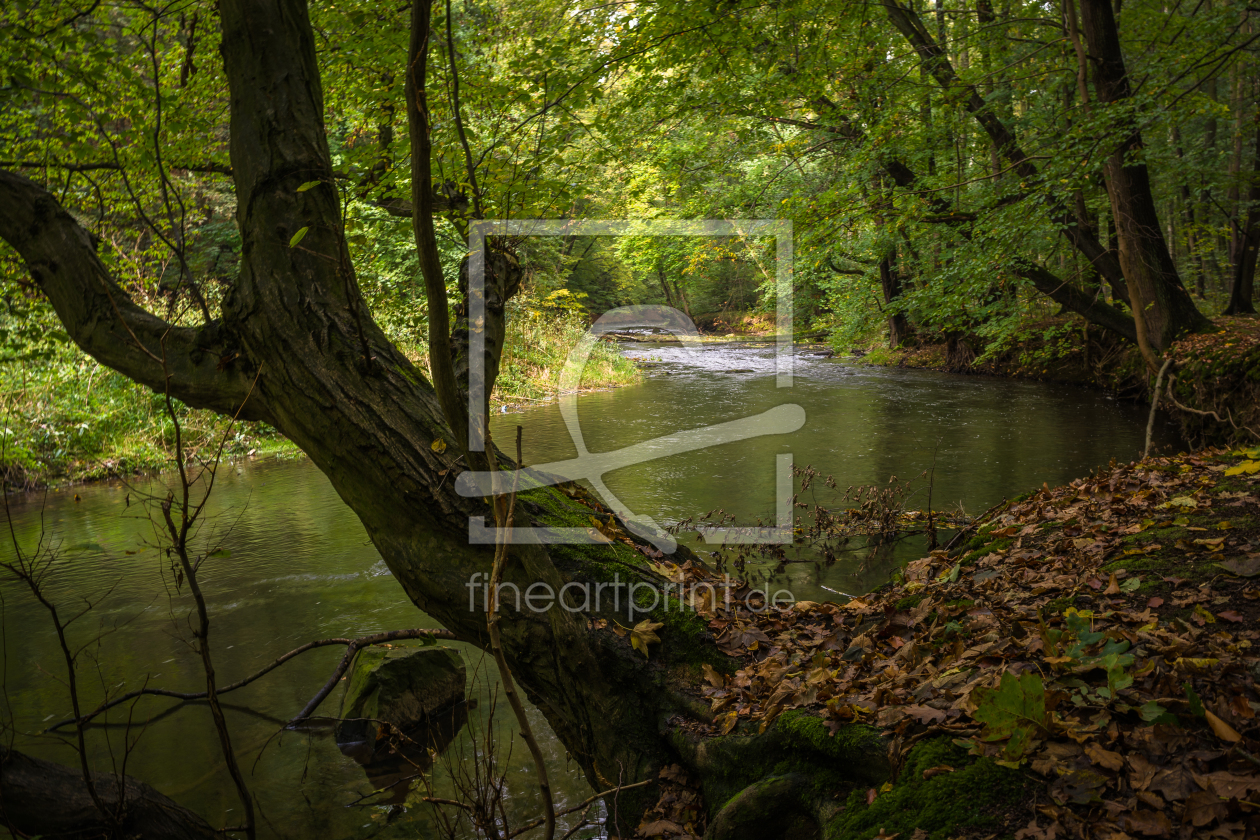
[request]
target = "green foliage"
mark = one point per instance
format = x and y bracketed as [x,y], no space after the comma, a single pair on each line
[1015,711]
[971,793]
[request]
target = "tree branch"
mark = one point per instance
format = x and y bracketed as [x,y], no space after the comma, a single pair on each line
[205,367]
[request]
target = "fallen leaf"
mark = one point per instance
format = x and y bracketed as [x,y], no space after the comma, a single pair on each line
[1155,602]
[644,634]
[1150,823]
[1230,615]
[1250,567]
[1104,758]
[712,677]
[1222,729]
[658,828]
[924,714]
[939,770]
[1202,807]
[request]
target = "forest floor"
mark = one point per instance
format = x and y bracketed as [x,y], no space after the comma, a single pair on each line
[1089,658]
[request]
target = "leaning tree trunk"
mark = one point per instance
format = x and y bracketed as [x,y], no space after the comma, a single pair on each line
[43,799]
[296,347]
[297,340]
[1155,288]
[1169,308]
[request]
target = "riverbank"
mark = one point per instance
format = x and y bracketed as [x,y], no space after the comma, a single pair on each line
[1214,376]
[66,419]
[1084,665]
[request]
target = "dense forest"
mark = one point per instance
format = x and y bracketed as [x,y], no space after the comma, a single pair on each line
[237,228]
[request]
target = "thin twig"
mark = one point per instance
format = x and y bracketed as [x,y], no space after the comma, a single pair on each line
[1150,421]
[353,646]
[504,520]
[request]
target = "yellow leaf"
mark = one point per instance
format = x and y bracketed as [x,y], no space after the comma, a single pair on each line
[438,446]
[1245,468]
[1222,729]
[712,677]
[643,634]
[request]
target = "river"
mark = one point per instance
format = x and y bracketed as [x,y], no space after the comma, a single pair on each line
[302,568]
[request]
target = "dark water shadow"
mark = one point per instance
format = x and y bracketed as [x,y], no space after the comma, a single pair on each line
[392,763]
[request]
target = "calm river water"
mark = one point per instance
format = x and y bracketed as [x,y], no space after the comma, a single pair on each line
[301,566]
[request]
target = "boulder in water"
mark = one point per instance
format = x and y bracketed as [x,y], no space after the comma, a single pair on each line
[400,685]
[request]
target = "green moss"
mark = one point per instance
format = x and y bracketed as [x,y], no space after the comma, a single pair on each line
[909,602]
[980,546]
[1059,605]
[969,797]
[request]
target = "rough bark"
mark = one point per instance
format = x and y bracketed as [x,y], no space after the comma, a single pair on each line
[204,363]
[40,798]
[1155,288]
[296,313]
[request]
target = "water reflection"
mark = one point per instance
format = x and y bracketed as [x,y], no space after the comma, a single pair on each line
[302,568]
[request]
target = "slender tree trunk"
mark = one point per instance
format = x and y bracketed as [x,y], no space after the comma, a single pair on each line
[660,275]
[890,280]
[1240,294]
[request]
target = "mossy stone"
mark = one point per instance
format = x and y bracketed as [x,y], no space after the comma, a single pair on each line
[400,685]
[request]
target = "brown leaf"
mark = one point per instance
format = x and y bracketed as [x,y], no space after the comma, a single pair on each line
[939,770]
[1250,567]
[1113,586]
[1104,758]
[674,773]
[925,714]
[659,828]
[1230,615]
[1150,823]
[1227,785]
[1175,784]
[1203,807]
[1155,602]
[712,677]
[1222,729]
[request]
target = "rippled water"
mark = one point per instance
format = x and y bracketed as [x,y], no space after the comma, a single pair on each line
[301,566]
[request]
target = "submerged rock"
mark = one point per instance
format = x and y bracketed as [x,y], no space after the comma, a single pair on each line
[401,685]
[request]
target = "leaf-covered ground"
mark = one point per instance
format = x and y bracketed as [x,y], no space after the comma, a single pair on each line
[1099,638]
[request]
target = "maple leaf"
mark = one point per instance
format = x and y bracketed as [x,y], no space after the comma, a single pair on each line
[643,634]
[1015,711]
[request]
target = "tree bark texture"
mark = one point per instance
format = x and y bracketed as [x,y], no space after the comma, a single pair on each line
[295,320]
[1155,288]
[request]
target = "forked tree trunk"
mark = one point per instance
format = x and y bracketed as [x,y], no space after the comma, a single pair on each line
[1158,297]
[296,331]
